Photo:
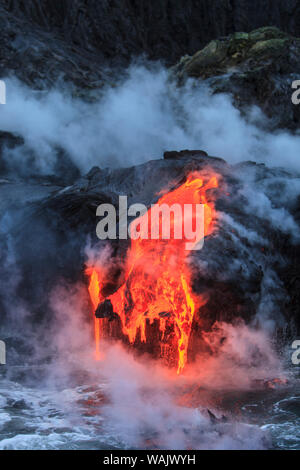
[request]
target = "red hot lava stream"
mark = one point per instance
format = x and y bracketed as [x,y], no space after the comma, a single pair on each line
[157,276]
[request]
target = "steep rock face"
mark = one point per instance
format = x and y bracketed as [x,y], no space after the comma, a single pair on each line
[256,68]
[162,29]
[40,59]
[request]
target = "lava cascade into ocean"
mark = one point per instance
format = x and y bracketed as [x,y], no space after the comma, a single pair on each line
[158,278]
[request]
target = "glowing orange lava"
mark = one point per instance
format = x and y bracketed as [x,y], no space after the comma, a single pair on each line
[94,291]
[157,277]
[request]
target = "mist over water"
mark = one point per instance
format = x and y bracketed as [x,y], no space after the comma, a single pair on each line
[124,401]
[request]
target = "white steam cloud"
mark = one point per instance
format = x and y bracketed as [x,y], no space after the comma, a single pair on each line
[136,121]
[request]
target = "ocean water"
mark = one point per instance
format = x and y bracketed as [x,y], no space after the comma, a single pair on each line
[77,416]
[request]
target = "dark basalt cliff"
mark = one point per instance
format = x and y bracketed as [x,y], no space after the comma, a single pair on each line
[162,29]
[255,68]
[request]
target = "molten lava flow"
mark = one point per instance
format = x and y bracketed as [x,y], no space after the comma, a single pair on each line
[94,291]
[157,278]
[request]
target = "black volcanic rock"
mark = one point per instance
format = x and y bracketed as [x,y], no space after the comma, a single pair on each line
[8,141]
[40,58]
[116,29]
[243,264]
[171,155]
[256,68]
